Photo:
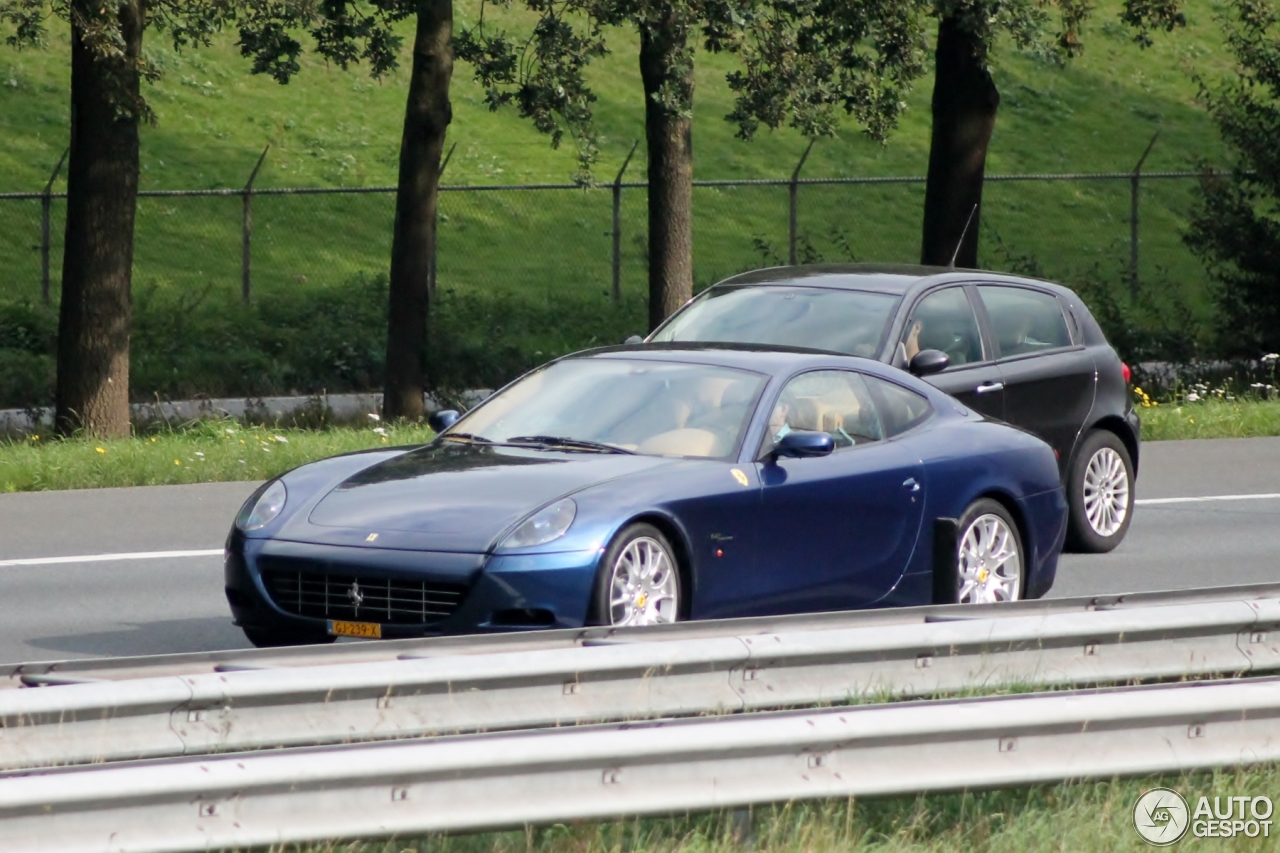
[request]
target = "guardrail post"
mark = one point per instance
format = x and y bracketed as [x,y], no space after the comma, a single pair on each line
[616,292]
[795,179]
[46,205]
[246,235]
[1133,219]
[435,225]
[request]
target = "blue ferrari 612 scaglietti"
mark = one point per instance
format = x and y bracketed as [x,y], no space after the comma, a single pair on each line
[638,485]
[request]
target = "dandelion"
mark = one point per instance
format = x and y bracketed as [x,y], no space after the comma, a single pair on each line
[101,449]
[35,438]
[1191,420]
[176,462]
[373,416]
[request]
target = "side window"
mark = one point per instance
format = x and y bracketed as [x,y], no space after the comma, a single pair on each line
[836,402]
[944,320]
[900,408]
[1025,321]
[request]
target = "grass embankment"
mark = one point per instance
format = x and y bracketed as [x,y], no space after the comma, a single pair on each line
[1211,419]
[1082,817]
[218,451]
[504,255]
[209,452]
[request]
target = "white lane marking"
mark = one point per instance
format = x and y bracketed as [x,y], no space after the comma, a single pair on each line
[109,558]
[1154,501]
[162,555]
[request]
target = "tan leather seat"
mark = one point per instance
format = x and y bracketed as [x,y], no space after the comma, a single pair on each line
[682,442]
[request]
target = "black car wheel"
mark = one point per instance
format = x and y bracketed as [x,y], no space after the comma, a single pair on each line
[270,638]
[988,555]
[1099,493]
[638,581]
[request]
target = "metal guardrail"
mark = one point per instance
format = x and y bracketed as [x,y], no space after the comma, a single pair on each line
[630,676]
[500,780]
[91,669]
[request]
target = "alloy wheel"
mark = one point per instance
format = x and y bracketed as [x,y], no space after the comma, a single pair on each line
[1106,492]
[643,585]
[989,563]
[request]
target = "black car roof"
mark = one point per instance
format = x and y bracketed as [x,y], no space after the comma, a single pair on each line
[896,279]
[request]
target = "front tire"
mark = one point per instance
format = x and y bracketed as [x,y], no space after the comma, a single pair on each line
[989,562]
[1099,494]
[638,581]
[271,638]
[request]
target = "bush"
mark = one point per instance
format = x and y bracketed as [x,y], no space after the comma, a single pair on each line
[312,340]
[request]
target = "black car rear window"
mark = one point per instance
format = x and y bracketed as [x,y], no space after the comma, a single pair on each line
[846,321]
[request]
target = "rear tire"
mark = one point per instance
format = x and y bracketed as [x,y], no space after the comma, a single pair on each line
[638,582]
[1099,494]
[989,558]
[272,638]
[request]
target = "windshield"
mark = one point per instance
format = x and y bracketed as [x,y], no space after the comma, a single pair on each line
[620,405]
[846,321]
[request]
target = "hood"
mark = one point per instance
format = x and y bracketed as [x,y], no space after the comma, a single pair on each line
[460,497]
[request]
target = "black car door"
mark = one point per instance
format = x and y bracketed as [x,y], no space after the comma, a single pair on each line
[1049,378]
[944,319]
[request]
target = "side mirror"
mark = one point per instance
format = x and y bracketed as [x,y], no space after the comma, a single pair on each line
[799,444]
[928,362]
[633,339]
[443,419]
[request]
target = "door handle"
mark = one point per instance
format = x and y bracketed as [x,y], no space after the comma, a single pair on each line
[988,387]
[911,484]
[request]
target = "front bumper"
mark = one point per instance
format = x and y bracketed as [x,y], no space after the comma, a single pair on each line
[494,592]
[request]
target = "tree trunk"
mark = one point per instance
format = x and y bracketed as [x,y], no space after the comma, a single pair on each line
[426,118]
[666,67]
[102,191]
[965,101]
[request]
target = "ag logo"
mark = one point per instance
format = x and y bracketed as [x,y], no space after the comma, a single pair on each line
[1161,817]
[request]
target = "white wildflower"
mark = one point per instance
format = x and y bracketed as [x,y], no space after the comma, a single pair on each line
[1271,356]
[380,431]
[198,453]
[1193,397]
[280,438]
[373,416]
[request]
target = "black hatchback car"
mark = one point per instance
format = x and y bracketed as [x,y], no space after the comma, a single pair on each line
[1021,350]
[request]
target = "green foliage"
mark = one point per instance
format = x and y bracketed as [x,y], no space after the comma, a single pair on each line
[1235,226]
[312,341]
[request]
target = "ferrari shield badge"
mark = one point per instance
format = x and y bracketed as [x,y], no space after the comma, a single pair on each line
[740,477]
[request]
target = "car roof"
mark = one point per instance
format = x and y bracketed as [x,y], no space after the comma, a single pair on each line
[895,279]
[762,358]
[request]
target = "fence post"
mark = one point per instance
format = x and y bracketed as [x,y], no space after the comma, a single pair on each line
[795,178]
[435,225]
[46,204]
[1133,219]
[616,292]
[246,234]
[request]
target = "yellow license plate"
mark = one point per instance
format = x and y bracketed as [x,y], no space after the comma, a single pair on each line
[367,630]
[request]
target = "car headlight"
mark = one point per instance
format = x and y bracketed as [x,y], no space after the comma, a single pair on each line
[260,512]
[543,526]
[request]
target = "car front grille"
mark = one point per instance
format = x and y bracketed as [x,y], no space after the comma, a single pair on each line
[364,598]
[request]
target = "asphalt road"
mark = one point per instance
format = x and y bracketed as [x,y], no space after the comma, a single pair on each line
[51,611]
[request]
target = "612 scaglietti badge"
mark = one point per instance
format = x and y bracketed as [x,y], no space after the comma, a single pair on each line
[639,485]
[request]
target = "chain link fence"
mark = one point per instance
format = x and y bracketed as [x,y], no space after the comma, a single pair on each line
[556,242]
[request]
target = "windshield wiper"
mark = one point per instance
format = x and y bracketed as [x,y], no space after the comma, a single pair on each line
[467,437]
[561,443]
